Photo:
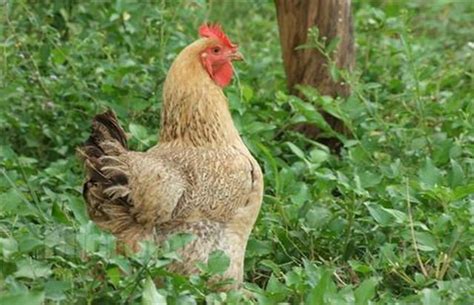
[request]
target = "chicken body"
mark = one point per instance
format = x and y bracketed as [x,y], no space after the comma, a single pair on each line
[200,179]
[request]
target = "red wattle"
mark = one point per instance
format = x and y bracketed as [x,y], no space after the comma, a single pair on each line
[223,74]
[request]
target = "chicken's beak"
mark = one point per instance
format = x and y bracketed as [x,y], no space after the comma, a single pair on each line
[237,56]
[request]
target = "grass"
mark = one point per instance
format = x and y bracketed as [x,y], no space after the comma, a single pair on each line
[388,221]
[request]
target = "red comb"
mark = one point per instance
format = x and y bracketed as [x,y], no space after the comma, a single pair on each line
[215,30]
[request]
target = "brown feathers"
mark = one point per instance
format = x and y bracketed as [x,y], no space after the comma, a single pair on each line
[106,190]
[200,178]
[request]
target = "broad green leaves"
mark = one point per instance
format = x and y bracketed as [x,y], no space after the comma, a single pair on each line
[365,292]
[385,216]
[151,296]
[429,174]
[333,229]
[30,298]
[32,269]
[218,262]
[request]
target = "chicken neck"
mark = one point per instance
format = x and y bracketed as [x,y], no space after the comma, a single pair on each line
[196,112]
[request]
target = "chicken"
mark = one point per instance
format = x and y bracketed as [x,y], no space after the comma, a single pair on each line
[200,178]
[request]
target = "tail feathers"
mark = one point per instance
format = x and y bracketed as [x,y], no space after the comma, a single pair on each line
[106,142]
[106,190]
[105,127]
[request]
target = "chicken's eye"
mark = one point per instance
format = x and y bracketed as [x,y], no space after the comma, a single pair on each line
[216,50]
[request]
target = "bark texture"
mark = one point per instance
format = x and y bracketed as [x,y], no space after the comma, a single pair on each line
[308,66]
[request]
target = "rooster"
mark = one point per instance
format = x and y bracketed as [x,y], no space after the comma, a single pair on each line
[200,178]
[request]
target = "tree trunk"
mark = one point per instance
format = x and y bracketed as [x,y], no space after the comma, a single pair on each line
[308,66]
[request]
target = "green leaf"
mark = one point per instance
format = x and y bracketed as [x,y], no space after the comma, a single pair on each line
[317,294]
[386,216]
[366,291]
[150,295]
[179,240]
[276,290]
[114,274]
[8,246]
[310,113]
[271,265]
[32,269]
[258,247]
[463,191]
[293,278]
[78,208]
[388,252]
[6,152]
[333,44]
[88,237]
[379,214]
[456,174]
[218,262]
[26,298]
[138,131]
[441,151]
[369,179]
[429,174]
[296,150]
[55,290]
[318,156]
[430,297]
[360,267]
[333,72]
[13,203]
[58,56]
[399,216]
[318,217]
[270,159]
[302,195]
[247,93]
[274,285]
[58,214]
[27,243]
[426,241]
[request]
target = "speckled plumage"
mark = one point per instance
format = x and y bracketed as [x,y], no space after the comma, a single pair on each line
[199,179]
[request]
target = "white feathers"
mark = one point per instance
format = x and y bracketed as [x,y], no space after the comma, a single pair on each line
[117,191]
